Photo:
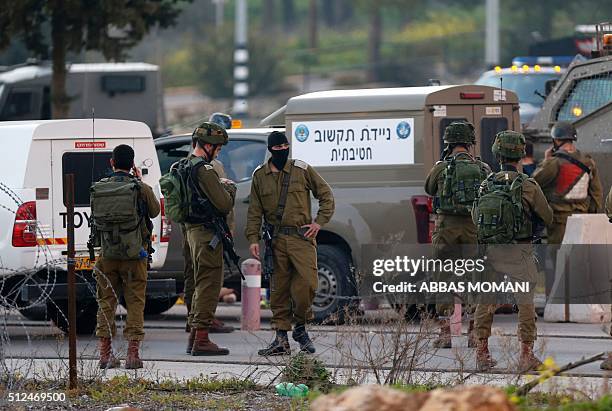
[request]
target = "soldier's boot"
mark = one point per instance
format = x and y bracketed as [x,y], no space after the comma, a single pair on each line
[187,327]
[472,339]
[203,346]
[300,335]
[444,337]
[528,361]
[484,361]
[133,361]
[218,327]
[280,345]
[107,358]
[190,341]
[607,363]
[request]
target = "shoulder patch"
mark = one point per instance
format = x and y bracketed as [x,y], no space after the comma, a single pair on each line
[301,164]
[208,167]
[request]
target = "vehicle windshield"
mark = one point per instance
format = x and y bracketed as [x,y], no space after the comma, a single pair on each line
[524,85]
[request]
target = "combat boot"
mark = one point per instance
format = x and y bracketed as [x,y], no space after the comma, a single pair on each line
[280,345]
[607,363]
[218,327]
[300,335]
[444,337]
[133,361]
[484,361]
[190,341]
[528,361]
[107,358]
[472,339]
[203,346]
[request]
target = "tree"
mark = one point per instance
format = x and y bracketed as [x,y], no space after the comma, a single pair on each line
[63,26]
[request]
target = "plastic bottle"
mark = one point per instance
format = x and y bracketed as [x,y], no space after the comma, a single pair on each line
[289,389]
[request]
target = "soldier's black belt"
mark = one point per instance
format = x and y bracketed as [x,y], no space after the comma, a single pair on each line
[288,230]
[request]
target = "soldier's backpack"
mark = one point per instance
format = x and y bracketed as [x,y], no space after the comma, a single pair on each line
[498,210]
[177,188]
[461,180]
[117,214]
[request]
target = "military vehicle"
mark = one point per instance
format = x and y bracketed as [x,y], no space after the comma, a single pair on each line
[582,96]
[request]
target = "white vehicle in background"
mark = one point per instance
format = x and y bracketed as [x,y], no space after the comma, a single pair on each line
[33,236]
[127,91]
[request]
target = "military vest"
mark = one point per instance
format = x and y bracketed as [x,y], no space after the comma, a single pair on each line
[458,184]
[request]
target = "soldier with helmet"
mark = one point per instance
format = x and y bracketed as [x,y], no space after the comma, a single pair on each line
[509,206]
[569,179]
[454,183]
[207,140]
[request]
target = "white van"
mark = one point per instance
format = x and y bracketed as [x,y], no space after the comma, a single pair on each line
[35,156]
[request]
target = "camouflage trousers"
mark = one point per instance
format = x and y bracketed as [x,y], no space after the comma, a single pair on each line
[189,279]
[116,277]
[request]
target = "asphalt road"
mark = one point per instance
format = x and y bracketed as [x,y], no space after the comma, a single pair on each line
[339,347]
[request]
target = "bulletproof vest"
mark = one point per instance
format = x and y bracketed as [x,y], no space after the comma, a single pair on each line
[458,184]
[498,213]
[118,212]
[573,180]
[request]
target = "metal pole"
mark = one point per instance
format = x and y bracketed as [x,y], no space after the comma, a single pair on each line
[492,33]
[241,62]
[69,200]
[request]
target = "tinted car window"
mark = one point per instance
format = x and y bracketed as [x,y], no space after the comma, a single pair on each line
[87,168]
[239,157]
[588,95]
[18,106]
[524,85]
[489,127]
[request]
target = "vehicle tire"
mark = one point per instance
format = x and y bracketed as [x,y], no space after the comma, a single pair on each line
[35,313]
[85,316]
[335,281]
[155,306]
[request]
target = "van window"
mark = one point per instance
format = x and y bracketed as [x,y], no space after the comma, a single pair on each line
[87,168]
[18,106]
[445,122]
[112,84]
[587,95]
[489,127]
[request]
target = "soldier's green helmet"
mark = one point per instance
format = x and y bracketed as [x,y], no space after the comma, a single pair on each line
[563,130]
[459,132]
[210,133]
[509,144]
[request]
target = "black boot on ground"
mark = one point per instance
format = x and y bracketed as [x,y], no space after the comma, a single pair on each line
[280,345]
[301,336]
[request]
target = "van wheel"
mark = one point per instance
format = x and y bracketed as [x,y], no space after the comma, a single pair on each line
[85,316]
[155,306]
[335,282]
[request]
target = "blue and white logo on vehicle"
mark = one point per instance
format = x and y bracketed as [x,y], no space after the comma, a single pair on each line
[301,133]
[403,130]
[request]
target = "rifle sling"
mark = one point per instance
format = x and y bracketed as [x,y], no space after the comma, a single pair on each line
[282,200]
[574,161]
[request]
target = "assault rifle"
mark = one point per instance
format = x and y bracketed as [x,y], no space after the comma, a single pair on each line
[224,236]
[268,261]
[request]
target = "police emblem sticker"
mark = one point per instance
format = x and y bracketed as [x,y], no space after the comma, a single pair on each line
[403,130]
[301,133]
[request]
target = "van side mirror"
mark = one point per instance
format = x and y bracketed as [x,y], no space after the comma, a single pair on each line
[549,85]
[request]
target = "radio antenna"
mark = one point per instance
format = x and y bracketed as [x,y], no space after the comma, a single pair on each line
[93,142]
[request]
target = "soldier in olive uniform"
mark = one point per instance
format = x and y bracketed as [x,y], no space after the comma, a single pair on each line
[453,202]
[217,326]
[607,364]
[127,275]
[569,179]
[518,260]
[207,140]
[294,281]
